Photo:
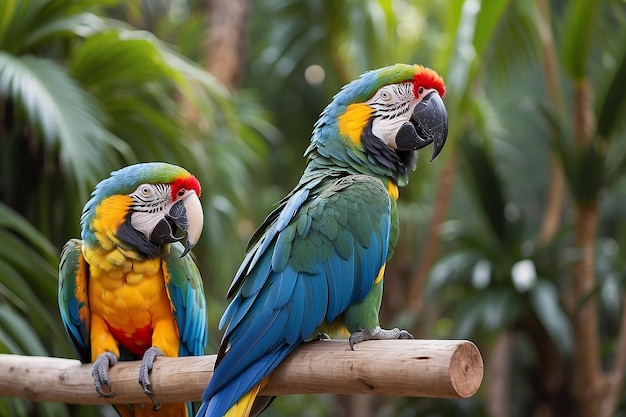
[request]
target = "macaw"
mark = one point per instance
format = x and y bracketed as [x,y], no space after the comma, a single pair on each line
[316,263]
[129,288]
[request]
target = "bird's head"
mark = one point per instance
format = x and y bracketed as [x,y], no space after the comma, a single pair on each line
[144,206]
[383,118]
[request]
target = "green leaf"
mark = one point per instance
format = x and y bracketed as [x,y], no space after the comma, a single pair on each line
[486,23]
[16,17]
[37,271]
[589,173]
[81,25]
[11,220]
[448,269]
[18,330]
[65,115]
[544,298]
[612,105]
[476,25]
[16,290]
[585,168]
[485,183]
[577,36]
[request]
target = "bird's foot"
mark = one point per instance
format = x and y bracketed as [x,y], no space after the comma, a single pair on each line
[100,373]
[322,336]
[144,374]
[377,334]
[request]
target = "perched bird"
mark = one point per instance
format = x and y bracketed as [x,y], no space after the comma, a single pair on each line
[129,289]
[317,261]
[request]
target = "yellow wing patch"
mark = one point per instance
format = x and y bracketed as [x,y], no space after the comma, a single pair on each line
[243,406]
[392,189]
[381,273]
[353,121]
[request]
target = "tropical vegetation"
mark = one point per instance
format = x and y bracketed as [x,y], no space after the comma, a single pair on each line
[513,238]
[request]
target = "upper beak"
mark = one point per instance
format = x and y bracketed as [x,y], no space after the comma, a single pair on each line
[186,215]
[429,124]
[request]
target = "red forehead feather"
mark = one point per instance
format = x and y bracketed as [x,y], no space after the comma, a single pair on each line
[188,183]
[427,78]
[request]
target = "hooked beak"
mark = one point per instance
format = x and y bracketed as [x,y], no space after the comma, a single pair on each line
[429,124]
[185,215]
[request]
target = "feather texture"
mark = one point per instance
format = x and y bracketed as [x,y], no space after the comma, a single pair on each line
[115,297]
[316,263]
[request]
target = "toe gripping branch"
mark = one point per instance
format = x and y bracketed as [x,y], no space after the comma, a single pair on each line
[100,373]
[144,374]
[378,334]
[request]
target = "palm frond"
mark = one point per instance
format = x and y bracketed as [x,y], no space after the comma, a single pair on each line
[66,118]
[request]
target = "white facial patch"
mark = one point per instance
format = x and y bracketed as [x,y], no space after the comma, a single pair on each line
[392,105]
[148,200]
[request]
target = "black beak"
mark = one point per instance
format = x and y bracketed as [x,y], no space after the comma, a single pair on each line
[166,229]
[178,220]
[429,124]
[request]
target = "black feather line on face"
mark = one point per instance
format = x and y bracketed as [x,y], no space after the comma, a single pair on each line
[132,238]
[399,162]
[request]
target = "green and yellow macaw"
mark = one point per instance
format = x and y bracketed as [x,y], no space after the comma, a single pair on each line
[129,289]
[317,262]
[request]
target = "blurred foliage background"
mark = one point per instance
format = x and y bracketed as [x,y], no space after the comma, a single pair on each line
[513,239]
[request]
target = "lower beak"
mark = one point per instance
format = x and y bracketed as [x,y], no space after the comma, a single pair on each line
[429,124]
[185,215]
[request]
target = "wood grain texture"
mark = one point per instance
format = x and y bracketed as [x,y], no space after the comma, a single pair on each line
[414,368]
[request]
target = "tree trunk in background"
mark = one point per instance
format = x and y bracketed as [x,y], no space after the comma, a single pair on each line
[428,256]
[227,40]
[498,378]
[556,187]
[553,390]
[591,382]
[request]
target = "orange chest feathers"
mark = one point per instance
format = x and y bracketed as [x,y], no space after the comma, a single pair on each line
[130,297]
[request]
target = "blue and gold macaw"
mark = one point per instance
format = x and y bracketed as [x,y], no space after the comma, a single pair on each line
[129,289]
[317,261]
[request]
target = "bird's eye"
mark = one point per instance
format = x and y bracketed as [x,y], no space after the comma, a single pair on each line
[385,95]
[420,91]
[145,191]
[181,192]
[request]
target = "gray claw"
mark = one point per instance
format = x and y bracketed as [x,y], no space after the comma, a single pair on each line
[322,336]
[144,374]
[100,373]
[377,334]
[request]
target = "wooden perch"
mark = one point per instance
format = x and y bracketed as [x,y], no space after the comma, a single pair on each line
[415,368]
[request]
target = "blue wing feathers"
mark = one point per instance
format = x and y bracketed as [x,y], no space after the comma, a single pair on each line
[317,256]
[223,399]
[296,312]
[304,223]
[187,297]
[282,249]
[256,279]
[285,282]
[260,338]
[294,203]
[334,282]
[313,289]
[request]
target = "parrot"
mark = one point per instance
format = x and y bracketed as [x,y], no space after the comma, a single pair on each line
[129,289]
[315,265]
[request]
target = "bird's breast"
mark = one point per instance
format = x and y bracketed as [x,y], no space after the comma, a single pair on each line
[129,296]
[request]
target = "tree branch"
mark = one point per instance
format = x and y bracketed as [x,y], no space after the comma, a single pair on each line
[428,256]
[556,186]
[417,368]
[615,375]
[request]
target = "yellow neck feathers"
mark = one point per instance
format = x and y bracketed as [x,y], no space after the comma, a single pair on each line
[353,121]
